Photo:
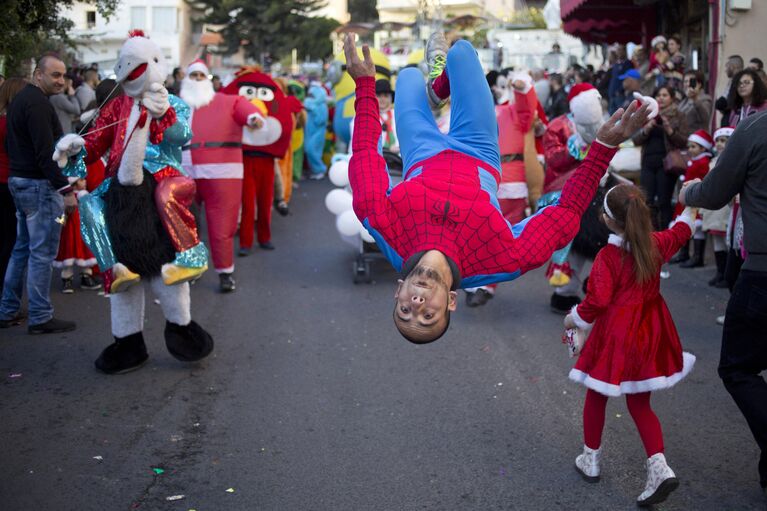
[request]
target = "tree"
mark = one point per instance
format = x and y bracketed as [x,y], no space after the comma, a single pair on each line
[29,26]
[363,11]
[264,27]
[312,39]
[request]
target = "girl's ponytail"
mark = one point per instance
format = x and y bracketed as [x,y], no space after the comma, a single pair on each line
[629,210]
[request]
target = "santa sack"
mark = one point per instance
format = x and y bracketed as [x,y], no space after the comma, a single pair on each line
[627,159]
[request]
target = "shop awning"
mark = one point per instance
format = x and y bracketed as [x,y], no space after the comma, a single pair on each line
[609,21]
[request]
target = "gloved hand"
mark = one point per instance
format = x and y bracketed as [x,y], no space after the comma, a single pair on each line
[255,121]
[156,100]
[68,145]
[654,109]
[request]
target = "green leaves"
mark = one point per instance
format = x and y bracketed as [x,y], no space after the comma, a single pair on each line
[28,27]
[271,27]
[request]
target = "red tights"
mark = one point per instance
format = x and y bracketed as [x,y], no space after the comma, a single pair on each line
[639,407]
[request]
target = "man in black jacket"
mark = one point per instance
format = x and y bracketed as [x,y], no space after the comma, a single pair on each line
[41,195]
[742,169]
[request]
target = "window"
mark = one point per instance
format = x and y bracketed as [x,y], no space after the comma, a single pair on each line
[138,18]
[164,19]
[90,19]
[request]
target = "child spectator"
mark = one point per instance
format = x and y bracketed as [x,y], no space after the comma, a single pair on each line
[698,146]
[715,222]
[633,347]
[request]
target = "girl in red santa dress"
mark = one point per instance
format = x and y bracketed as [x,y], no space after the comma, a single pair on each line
[73,252]
[633,347]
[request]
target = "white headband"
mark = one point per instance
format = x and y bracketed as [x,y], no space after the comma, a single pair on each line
[606,207]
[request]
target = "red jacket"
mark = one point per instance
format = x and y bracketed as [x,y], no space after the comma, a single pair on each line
[215,151]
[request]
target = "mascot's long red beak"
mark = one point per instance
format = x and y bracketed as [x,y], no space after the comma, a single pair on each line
[136,72]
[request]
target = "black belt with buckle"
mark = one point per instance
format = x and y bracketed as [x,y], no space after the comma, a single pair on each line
[212,144]
[506,158]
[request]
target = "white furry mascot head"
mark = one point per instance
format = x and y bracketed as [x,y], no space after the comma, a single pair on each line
[586,107]
[139,65]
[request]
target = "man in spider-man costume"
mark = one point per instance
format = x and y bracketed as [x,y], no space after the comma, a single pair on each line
[442,226]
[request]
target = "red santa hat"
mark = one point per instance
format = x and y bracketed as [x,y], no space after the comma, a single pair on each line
[702,138]
[723,132]
[585,103]
[198,65]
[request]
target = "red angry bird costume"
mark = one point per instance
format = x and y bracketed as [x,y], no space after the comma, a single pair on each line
[260,149]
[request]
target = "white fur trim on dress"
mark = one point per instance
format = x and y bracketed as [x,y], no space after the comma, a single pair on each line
[512,191]
[684,218]
[635,387]
[80,263]
[579,321]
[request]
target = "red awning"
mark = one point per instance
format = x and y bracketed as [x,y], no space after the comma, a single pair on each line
[608,21]
[566,7]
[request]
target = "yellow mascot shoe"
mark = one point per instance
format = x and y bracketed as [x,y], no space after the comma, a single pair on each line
[558,278]
[122,278]
[175,274]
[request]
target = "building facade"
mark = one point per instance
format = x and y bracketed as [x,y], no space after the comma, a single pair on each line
[167,22]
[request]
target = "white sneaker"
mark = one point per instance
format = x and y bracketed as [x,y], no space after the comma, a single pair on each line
[661,481]
[720,320]
[587,464]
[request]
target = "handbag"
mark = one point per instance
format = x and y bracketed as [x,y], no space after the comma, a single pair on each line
[675,162]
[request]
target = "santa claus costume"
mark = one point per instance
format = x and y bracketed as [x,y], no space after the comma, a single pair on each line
[213,159]
[515,118]
[633,347]
[565,144]
[72,249]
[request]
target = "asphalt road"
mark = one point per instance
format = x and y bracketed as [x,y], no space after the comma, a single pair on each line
[311,401]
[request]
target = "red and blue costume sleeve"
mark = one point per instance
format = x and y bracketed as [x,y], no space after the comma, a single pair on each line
[368,176]
[448,203]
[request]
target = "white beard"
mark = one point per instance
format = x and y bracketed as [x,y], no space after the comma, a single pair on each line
[197,93]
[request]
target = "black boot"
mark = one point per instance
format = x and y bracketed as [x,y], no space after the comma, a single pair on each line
[478,298]
[188,343]
[562,304]
[681,256]
[124,355]
[226,282]
[696,261]
[719,275]
[721,262]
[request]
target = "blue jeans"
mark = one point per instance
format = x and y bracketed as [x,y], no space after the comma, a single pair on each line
[473,126]
[38,207]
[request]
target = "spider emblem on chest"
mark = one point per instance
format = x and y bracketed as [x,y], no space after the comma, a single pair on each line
[445,214]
